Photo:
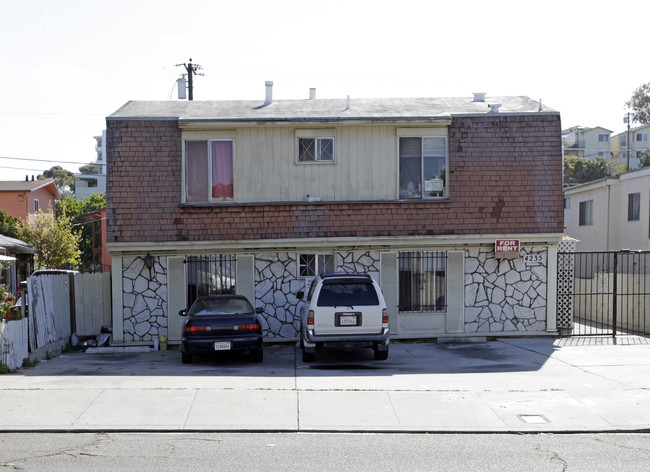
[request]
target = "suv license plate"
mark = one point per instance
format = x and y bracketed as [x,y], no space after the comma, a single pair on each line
[222,346]
[348,320]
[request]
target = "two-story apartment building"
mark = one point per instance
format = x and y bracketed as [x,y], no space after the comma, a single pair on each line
[610,214]
[590,143]
[259,197]
[630,144]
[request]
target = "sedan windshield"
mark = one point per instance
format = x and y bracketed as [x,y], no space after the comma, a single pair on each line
[221,306]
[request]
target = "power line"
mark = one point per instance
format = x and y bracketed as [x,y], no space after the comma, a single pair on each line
[21,168]
[49,160]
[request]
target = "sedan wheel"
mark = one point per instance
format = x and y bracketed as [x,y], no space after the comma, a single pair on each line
[258,356]
[186,358]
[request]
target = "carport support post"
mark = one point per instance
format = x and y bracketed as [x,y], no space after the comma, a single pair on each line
[615,295]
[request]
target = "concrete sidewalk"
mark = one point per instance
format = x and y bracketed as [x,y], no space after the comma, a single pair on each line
[508,385]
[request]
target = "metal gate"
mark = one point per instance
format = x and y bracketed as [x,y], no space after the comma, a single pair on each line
[603,293]
[210,275]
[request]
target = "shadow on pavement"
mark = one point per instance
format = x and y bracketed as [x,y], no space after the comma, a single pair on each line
[284,360]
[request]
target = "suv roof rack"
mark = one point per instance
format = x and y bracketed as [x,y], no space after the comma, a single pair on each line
[345,274]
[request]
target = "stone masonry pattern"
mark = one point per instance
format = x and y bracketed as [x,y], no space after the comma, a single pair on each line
[144,299]
[277,283]
[504,295]
[505,177]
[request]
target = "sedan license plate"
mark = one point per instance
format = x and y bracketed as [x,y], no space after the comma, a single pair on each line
[348,320]
[222,346]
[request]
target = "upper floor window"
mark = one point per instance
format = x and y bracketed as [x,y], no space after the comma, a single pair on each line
[603,138]
[36,206]
[209,170]
[623,140]
[422,167]
[633,206]
[642,136]
[586,217]
[315,149]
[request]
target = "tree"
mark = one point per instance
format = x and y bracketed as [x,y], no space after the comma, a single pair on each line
[10,226]
[63,179]
[640,104]
[79,211]
[56,243]
[578,170]
[88,169]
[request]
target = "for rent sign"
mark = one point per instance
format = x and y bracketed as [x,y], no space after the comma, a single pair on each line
[506,248]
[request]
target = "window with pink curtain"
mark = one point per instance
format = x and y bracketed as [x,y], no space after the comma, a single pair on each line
[222,177]
[196,171]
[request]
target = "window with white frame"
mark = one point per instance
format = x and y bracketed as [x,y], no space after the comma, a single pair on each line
[586,217]
[603,138]
[567,203]
[422,281]
[316,149]
[37,206]
[634,206]
[209,170]
[311,265]
[642,136]
[423,167]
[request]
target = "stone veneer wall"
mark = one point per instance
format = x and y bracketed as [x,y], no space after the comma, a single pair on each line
[276,285]
[504,295]
[144,299]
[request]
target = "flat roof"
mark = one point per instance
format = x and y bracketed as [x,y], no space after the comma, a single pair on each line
[325,109]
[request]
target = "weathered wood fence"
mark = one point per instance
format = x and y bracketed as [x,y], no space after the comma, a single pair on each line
[59,304]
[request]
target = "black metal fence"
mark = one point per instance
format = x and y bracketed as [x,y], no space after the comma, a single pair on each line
[422,281]
[603,293]
[210,275]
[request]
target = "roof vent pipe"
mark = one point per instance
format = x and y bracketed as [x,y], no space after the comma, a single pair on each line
[479,96]
[312,93]
[269,92]
[494,107]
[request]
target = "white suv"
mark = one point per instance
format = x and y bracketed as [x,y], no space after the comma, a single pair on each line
[346,310]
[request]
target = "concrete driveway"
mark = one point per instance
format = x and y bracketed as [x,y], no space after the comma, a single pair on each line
[507,385]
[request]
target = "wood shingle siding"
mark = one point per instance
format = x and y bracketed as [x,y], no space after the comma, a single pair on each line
[505,177]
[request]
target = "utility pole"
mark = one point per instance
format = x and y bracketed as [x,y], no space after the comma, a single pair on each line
[191,71]
[627,120]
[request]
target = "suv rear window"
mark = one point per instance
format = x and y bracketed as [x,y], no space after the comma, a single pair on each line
[347,294]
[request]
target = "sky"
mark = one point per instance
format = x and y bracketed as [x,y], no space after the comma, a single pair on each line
[67,64]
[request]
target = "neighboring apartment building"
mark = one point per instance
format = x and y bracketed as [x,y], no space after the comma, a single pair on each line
[638,143]
[88,184]
[611,213]
[259,197]
[590,143]
[100,149]
[23,199]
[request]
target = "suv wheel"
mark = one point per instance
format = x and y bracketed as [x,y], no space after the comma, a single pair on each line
[308,356]
[381,355]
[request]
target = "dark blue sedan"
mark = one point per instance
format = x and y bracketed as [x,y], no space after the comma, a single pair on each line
[220,323]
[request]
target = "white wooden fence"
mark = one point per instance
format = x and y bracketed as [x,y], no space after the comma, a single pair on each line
[92,303]
[59,305]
